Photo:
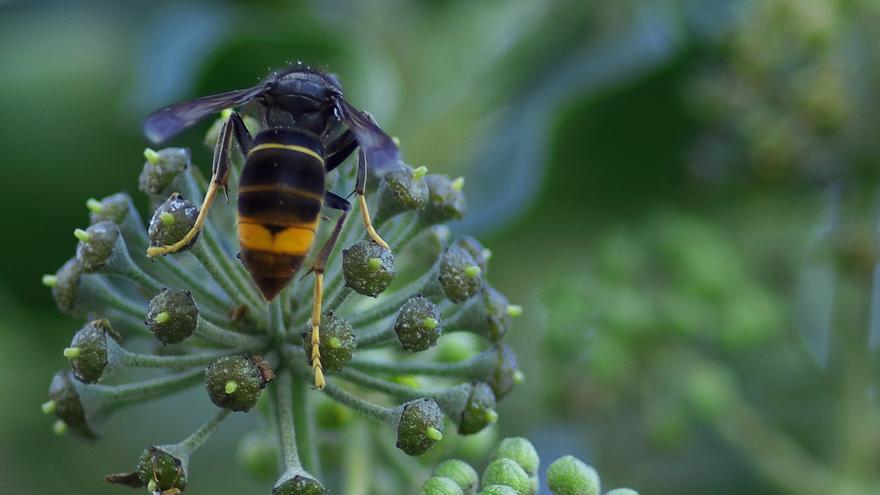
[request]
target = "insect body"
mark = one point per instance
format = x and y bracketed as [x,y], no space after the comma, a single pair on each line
[309,130]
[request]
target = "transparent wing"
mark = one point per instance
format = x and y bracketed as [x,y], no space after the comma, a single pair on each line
[381,152]
[168,121]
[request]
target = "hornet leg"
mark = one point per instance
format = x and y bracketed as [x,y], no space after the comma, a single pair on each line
[337,203]
[219,177]
[365,212]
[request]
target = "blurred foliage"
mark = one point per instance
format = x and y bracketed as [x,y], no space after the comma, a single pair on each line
[682,195]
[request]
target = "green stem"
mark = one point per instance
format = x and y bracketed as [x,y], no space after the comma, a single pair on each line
[304,422]
[196,286]
[285,420]
[235,271]
[276,319]
[365,407]
[462,369]
[117,396]
[220,335]
[392,389]
[358,475]
[183,361]
[212,266]
[204,432]
[376,338]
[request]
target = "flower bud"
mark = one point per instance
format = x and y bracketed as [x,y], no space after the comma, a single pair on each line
[438,485]
[65,285]
[96,245]
[497,490]
[400,191]
[258,454]
[445,201]
[368,267]
[337,342]
[481,254]
[68,405]
[570,476]
[158,469]
[417,324]
[486,314]
[161,169]
[508,473]
[297,482]
[498,367]
[172,220]
[460,472]
[460,275]
[519,450]
[419,426]
[172,316]
[88,351]
[479,410]
[235,382]
[622,491]
[115,208]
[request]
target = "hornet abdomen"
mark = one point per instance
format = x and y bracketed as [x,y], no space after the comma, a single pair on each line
[281,191]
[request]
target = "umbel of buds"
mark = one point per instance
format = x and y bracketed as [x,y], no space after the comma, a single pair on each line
[204,325]
[513,470]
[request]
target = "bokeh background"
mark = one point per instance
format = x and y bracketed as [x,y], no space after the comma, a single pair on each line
[682,195]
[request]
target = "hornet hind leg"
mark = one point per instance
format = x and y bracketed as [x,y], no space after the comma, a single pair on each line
[338,203]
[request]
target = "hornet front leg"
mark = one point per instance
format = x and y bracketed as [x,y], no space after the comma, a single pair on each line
[219,178]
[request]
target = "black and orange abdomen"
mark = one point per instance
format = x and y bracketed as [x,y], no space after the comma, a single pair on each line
[279,204]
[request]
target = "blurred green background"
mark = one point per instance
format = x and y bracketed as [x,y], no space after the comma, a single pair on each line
[682,195]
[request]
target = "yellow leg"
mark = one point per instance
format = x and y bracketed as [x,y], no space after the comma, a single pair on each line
[194,231]
[316,325]
[368,223]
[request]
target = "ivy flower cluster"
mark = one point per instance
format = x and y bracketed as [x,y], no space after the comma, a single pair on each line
[197,318]
[513,470]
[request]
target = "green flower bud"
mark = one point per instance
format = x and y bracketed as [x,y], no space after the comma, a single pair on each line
[65,286]
[68,405]
[445,201]
[519,450]
[461,473]
[460,275]
[96,245]
[497,367]
[363,272]
[417,324]
[90,342]
[161,169]
[160,470]
[480,253]
[115,208]
[172,316]
[508,473]
[419,427]
[258,454]
[622,491]
[235,382]
[298,482]
[497,490]
[486,314]
[570,476]
[172,220]
[438,485]
[337,342]
[400,191]
[479,410]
